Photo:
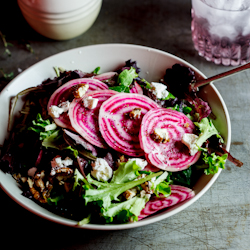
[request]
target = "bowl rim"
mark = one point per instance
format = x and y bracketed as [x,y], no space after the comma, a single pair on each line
[152,219]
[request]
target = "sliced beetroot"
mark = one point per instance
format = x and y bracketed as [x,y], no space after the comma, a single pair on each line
[105,76]
[172,155]
[136,89]
[178,194]
[64,93]
[117,128]
[85,121]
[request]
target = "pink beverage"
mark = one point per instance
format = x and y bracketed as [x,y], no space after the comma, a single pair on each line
[221,33]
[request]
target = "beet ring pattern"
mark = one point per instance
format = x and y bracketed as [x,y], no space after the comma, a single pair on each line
[172,155]
[64,93]
[85,121]
[118,130]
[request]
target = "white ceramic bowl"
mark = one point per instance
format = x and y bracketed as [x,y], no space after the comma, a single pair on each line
[55,6]
[108,57]
[63,28]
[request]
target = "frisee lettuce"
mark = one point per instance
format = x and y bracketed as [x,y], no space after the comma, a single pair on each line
[79,180]
[107,196]
[132,207]
[108,192]
[207,129]
[214,162]
[160,186]
[126,172]
[39,126]
[52,138]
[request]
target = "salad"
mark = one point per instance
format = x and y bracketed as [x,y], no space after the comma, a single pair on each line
[112,147]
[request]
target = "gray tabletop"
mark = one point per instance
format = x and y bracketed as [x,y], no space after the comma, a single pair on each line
[220,219]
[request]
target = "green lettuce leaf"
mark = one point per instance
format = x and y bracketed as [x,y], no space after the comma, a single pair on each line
[55,140]
[132,207]
[96,70]
[79,179]
[183,177]
[108,192]
[161,186]
[170,96]
[55,199]
[39,126]
[121,88]
[126,77]
[145,84]
[214,162]
[127,171]
[207,129]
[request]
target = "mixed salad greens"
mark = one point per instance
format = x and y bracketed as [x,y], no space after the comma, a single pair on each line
[112,147]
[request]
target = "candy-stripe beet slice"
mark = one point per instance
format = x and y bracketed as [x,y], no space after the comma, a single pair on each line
[85,121]
[64,93]
[178,194]
[105,76]
[118,129]
[172,155]
[136,89]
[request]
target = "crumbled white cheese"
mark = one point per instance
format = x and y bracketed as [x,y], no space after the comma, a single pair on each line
[58,163]
[135,113]
[64,106]
[90,102]
[81,91]
[159,89]
[139,162]
[143,194]
[151,184]
[56,111]
[64,163]
[190,141]
[101,170]
[161,135]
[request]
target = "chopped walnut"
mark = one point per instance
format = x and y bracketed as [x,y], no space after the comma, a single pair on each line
[63,174]
[39,190]
[38,180]
[129,194]
[60,169]
[19,178]
[121,159]
[147,187]
[135,113]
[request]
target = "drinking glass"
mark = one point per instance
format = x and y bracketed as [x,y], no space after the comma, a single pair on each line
[221,30]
